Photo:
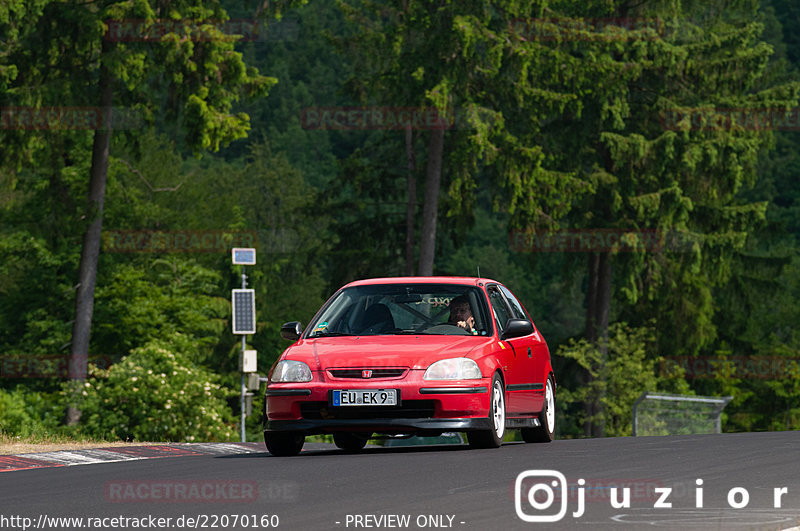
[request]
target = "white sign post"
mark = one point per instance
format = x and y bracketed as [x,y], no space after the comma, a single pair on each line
[243,302]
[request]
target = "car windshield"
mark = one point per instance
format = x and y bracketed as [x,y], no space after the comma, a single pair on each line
[391,309]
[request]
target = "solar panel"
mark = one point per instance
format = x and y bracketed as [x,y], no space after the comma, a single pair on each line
[244,311]
[243,256]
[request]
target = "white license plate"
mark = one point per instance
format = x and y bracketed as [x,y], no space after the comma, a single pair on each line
[364,397]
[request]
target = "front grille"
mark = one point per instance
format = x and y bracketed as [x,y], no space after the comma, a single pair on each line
[359,373]
[409,409]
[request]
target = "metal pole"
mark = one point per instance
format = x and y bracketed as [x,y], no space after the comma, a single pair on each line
[635,413]
[243,388]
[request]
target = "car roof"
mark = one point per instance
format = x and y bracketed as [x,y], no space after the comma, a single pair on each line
[465,281]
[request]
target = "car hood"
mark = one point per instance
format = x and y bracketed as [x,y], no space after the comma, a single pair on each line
[415,352]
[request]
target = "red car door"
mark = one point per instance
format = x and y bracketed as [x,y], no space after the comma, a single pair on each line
[536,356]
[520,387]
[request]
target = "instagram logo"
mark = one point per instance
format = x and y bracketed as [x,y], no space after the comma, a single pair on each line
[541,489]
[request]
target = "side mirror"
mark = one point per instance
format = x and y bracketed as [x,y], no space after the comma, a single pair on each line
[517,328]
[291,330]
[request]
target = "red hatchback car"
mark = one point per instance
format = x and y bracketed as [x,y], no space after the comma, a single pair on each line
[412,356]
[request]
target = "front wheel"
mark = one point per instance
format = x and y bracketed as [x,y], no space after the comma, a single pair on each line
[350,442]
[284,444]
[546,431]
[497,417]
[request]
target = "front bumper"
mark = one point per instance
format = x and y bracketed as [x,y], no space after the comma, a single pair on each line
[379,425]
[426,407]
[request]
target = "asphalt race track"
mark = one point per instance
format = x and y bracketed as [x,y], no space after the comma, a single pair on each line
[433,487]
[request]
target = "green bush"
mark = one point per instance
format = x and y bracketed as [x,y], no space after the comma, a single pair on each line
[14,420]
[156,394]
[618,378]
[25,413]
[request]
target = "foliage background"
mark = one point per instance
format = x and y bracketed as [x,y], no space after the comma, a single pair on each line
[329,206]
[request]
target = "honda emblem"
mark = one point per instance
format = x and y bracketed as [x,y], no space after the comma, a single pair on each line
[366,374]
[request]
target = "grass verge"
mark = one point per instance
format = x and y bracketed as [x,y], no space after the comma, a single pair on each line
[52,442]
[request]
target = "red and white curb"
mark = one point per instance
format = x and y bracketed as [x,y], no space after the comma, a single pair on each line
[10,463]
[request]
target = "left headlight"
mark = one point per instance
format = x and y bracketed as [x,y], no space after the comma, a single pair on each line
[453,369]
[290,371]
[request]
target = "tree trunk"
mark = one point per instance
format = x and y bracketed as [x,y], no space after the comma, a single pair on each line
[603,308]
[591,298]
[598,308]
[591,337]
[411,186]
[603,302]
[430,210]
[87,273]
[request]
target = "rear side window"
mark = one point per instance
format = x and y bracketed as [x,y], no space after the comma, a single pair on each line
[501,310]
[516,307]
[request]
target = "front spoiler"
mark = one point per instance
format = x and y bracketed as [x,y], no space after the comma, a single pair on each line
[390,425]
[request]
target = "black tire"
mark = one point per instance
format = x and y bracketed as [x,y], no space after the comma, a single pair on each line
[351,442]
[497,417]
[284,444]
[547,418]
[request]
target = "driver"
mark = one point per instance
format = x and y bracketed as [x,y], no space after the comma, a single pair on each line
[461,314]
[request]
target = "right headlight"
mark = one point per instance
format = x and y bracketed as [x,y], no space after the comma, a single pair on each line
[290,371]
[453,369]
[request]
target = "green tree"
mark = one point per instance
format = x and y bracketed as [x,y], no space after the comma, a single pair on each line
[647,146]
[72,54]
[758,306]
[621,369]
[469,59]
